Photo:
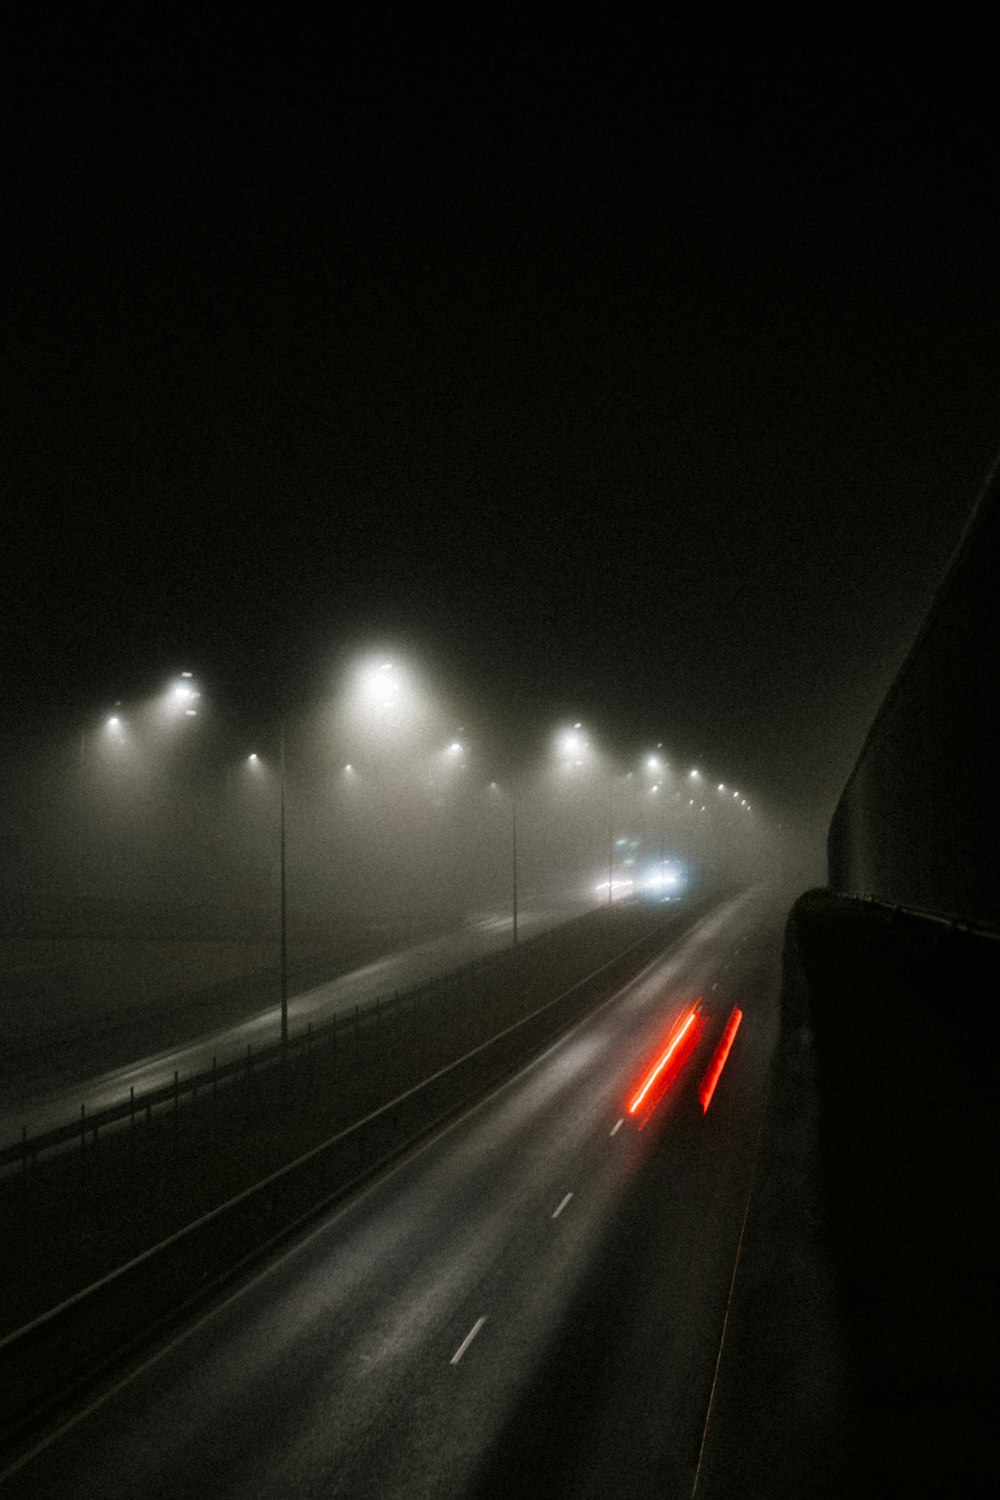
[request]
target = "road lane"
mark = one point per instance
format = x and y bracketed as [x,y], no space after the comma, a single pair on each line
[335,1371]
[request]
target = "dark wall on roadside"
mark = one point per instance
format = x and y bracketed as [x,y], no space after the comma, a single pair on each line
[918,824]
[889,1008]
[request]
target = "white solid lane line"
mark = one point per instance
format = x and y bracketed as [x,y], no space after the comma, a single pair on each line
[562,1205]
[467,1340]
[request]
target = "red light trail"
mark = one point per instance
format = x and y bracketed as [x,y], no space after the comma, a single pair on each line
[681,1042]
[714,1070]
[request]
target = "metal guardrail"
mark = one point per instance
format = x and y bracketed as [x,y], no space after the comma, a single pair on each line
[89,1124]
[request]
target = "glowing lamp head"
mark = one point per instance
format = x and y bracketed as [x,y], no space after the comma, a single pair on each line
[386,705]
[382,685]
[183,695]
[572,743]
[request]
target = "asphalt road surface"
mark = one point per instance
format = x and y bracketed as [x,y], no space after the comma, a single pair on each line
[530,1303]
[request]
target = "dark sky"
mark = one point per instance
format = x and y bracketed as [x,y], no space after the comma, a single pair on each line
[645,376]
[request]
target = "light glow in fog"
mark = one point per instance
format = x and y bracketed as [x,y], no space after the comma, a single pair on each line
[666,882]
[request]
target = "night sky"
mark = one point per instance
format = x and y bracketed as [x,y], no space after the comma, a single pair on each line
[647,377]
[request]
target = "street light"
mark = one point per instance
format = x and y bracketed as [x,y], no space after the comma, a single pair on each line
[572,745]
[184,695]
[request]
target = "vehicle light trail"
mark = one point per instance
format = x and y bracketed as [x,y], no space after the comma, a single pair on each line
[714,1070]
[680,1044]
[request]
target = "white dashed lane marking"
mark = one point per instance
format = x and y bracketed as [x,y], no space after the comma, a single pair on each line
[477,1325]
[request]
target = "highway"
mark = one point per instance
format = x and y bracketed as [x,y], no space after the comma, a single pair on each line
[40,1110]
[532,1302]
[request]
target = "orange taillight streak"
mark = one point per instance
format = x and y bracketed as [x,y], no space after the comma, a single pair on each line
[662,1061]
[714,1070]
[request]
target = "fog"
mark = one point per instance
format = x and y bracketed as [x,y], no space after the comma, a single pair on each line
[168,817]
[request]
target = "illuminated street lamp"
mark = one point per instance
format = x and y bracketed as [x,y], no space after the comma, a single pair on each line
[184,695]
[572,745]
